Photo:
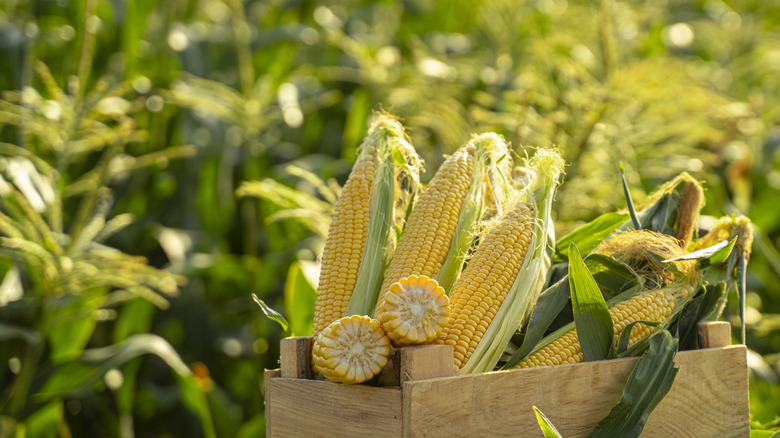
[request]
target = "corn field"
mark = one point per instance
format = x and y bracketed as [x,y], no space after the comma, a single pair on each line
[163,161]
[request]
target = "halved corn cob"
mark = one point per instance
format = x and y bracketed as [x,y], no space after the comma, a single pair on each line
[481,289]
[414,311]
[652,305]
[351,350]
[360,236]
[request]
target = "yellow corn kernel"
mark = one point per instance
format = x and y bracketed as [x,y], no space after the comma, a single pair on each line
[655,305]
[414,311]
[345,244]
[431,225]
[486,281]
[352,349]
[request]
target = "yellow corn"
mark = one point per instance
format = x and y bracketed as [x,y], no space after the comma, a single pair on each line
[414,311]
[477,295]
[655,305]
[428,233]
[353,349]
[345,244]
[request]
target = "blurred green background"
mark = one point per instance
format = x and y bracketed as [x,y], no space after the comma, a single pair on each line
[147,190]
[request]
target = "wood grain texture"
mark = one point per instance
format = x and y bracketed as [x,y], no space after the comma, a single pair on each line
[709,399]
[418,362]
[714,334]
[295,357]
[316,408]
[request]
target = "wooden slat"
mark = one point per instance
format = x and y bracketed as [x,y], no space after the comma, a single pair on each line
[315,408]
[295,357]
[417,362]
[714,334]
[709,398]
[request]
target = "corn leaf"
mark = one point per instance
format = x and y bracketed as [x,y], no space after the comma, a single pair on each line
[649,382]
[629,201]
[272,314]
[741,291]
[625,336]
[548,429]
[300,297]
[704,307]
[590,235]
[591,315]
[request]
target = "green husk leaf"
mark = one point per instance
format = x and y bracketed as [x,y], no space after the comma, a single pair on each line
[647,385]
[741,292]
[625,336]
[548,429]
[591,315]
[590,235]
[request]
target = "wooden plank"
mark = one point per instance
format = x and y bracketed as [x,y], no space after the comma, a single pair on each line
[318,408]
[709,398]
[417,362]
[267,376]
[295,357]
[714,334]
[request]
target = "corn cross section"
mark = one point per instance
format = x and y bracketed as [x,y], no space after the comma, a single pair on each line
[345,244]
[352,349]
[479,292]
[654,305]
[431,225]
[414,311]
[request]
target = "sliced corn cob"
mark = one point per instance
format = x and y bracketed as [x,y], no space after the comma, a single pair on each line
[360,236]
[351,350]
[481,289]
[344,246]
[653,305]
[414,311]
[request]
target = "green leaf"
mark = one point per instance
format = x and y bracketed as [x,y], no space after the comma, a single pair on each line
[591,315]
[548,429]
[613,277]
[589,236]
[741,291]
[548,306]
[648,384]
[300,297]
[43,423]
[629,202]
[625,335]
[271,313]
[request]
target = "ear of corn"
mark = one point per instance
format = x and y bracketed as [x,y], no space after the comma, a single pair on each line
[482,288]
[351,350]
[345,244]
[653,305]
[360,236]
[482,346]
[414,311]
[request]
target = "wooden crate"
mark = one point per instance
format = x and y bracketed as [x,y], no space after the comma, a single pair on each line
[709,397]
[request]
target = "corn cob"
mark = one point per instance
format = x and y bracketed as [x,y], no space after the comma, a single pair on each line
[345,244]
[426,239]
[414,311]
[351,350]
[481,289]
[653,305]
[361,234]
